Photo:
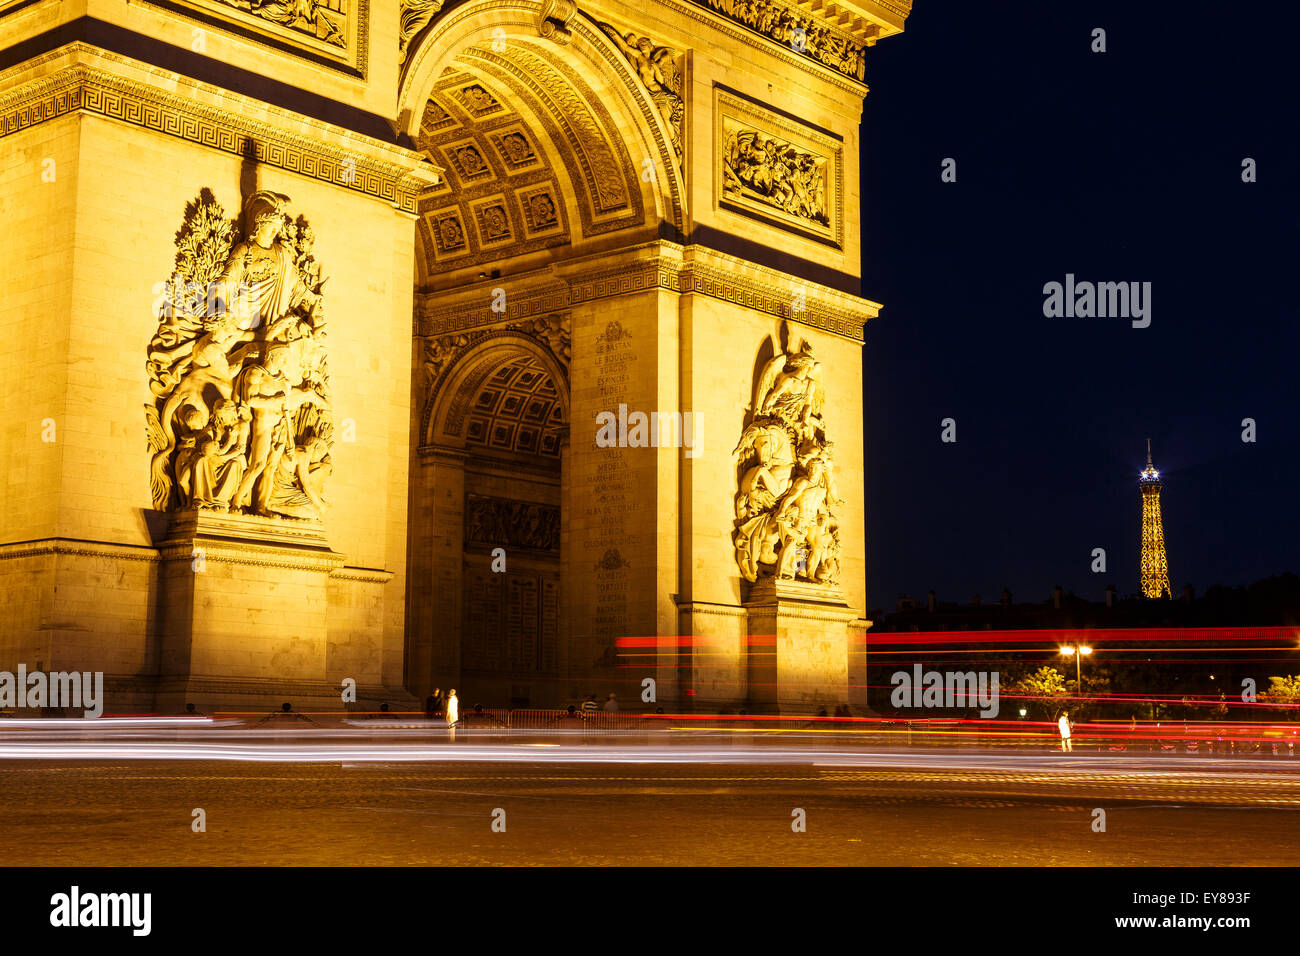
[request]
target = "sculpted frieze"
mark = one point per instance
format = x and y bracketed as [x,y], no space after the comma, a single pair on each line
[660,69]
[785,526]
[800,32]
[512,524]
[775,173]
[241,420]
[775,169]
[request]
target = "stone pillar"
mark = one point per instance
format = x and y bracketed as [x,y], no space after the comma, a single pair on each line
[799,647]
[244,604]
[437,572]
[621,552]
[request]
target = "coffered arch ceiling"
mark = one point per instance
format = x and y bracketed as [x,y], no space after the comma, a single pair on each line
[527,166]
[544,144]
[502,395]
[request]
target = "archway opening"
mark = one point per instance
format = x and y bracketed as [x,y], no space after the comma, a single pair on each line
[543,150]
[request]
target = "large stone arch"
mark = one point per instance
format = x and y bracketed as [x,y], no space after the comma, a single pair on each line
[485,607]
[667,181]
[586,78]
[457,365]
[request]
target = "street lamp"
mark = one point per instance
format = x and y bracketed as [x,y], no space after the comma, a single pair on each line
[1078,652]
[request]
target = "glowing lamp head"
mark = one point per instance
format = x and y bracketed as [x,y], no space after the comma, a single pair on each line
[1067,652]
[1085,651]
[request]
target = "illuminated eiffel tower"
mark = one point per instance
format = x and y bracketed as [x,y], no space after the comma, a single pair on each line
[1155,566]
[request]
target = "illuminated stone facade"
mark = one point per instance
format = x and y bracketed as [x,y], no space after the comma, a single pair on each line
[311,310]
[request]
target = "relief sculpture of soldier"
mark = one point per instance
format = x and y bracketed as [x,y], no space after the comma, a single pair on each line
[306,16]
[786,490]
[775,173]
[243,420]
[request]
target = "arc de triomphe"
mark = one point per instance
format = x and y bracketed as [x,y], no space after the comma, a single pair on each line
[496,344]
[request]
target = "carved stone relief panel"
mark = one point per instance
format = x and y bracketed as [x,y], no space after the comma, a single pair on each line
[415,16]
[777,169]
[798,31]
[331,32]
[785,524]
[241,421]
[661,70]
[502,522]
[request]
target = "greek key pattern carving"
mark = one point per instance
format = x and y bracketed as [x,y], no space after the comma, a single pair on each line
[81,88]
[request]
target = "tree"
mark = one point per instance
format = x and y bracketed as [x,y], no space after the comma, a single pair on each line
[1283,693]
[1045,692]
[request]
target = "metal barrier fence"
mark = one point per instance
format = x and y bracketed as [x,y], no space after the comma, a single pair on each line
[540,719]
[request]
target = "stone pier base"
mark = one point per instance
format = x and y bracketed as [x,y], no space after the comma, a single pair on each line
[243,617]
[800,639]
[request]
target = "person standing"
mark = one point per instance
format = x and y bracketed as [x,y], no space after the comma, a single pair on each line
[611,704]
[453,709]
[589,705]
[1066,727]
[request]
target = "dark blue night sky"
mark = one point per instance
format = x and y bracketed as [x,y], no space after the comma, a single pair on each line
[1120,166]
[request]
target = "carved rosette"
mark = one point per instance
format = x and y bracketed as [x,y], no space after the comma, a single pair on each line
[785,525]
[241,419]
[660,69]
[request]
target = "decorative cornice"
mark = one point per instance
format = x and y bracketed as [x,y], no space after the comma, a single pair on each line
[437,315]
[700,11]
[192,113]
[73,546]
[720,610]
[259,556]
[227,538]
[684,270]
[799,31]
[364,575]
[806,612]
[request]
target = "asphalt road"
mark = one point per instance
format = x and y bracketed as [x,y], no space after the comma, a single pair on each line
[140,812]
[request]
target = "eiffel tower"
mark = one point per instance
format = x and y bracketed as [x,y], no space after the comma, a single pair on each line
[1155,566]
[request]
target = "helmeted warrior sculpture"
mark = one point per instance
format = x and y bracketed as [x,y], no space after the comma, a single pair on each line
[786,493]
